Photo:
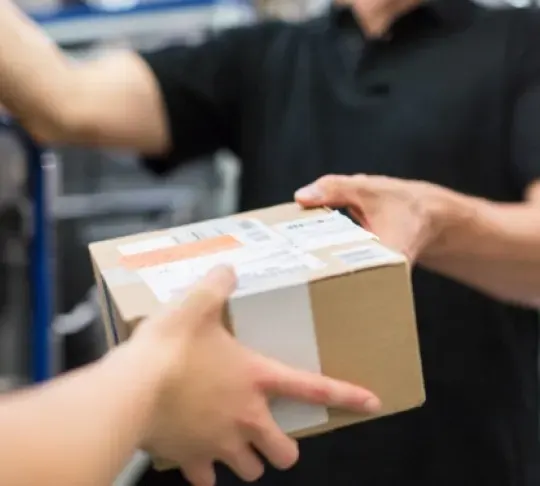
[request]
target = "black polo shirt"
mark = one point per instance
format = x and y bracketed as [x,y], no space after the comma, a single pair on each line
[451,96]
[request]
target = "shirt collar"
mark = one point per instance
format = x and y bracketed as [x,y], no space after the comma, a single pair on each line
[454,13]
[451,13]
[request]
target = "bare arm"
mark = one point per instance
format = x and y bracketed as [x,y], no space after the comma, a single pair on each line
[491,246]
[79,429]
[113,101]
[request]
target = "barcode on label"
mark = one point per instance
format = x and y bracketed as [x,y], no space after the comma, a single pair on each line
[257,236]
[195,233]
[190,236]
[335,220]
[330,229]
[251,231]
[247,231]
[247,225]
[250,279]
[368,255]
[307,223]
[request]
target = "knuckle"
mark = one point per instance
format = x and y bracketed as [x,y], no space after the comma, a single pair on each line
[328,178]
[255,473]
[363,183]
[362,177]
[323,394]
[418,204]
[330,182]
[229,451]
[252,422]
[260,373]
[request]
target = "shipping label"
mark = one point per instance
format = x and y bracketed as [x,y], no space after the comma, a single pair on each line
[368,256]
[322,231]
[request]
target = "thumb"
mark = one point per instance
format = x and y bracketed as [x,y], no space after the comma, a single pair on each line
[284,381]
[331,190]
[210,294]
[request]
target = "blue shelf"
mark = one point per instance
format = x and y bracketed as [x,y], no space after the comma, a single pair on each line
[41,271]
[77,12]
[84,23]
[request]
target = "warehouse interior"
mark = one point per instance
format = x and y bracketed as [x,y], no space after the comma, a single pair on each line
[88,195]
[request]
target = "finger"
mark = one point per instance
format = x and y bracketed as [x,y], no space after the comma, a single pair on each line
[211,293]
[243,461]
[357,215]
[279,449]
[331,190]
[532,194]
[282,380]
[201,474]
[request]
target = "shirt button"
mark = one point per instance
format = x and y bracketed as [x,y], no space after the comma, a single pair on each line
[378,89]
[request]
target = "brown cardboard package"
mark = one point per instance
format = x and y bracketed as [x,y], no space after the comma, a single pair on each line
[315,291]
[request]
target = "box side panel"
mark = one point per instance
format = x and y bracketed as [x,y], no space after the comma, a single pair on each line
[106,317]
[366,332]
[116,330]
[112,318]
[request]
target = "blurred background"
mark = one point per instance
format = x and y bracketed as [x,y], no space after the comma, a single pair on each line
[92,195]
[95,194]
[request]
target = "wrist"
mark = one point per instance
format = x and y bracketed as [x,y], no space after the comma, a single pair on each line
[144,372]
[451,214]
[162,356]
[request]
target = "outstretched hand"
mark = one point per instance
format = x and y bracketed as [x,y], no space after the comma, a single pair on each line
[213,400]
[405,215]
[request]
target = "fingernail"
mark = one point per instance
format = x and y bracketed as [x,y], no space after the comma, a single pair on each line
[372,405]
[312,193]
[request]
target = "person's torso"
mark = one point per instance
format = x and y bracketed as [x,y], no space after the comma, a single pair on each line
[446,124]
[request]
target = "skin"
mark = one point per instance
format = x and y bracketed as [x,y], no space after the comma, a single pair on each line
[491,246]
[116,102]
[377,16]
[182,387]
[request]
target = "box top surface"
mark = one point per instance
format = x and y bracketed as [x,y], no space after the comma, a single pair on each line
[269,248]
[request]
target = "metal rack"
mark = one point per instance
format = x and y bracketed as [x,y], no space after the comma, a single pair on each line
[168,17]
[41,268]
[75,25]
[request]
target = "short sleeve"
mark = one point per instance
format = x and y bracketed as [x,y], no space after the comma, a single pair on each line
[202,88]
[525,100]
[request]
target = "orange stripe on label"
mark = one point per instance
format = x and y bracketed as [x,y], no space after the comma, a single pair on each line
[180,252]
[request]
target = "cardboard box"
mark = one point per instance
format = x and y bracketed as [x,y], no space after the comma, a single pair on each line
[315,291]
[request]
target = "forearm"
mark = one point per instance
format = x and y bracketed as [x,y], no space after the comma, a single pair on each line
[490,246]
[113,101]
[35,77]
[79,429]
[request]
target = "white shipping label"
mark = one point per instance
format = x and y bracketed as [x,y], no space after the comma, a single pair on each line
[369,256]
[256,268]
[247,231]
[322,231]
[147,245]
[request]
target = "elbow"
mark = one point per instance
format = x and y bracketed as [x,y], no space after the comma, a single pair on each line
[525,298]
[63,126]
[46,130]
[531,301]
